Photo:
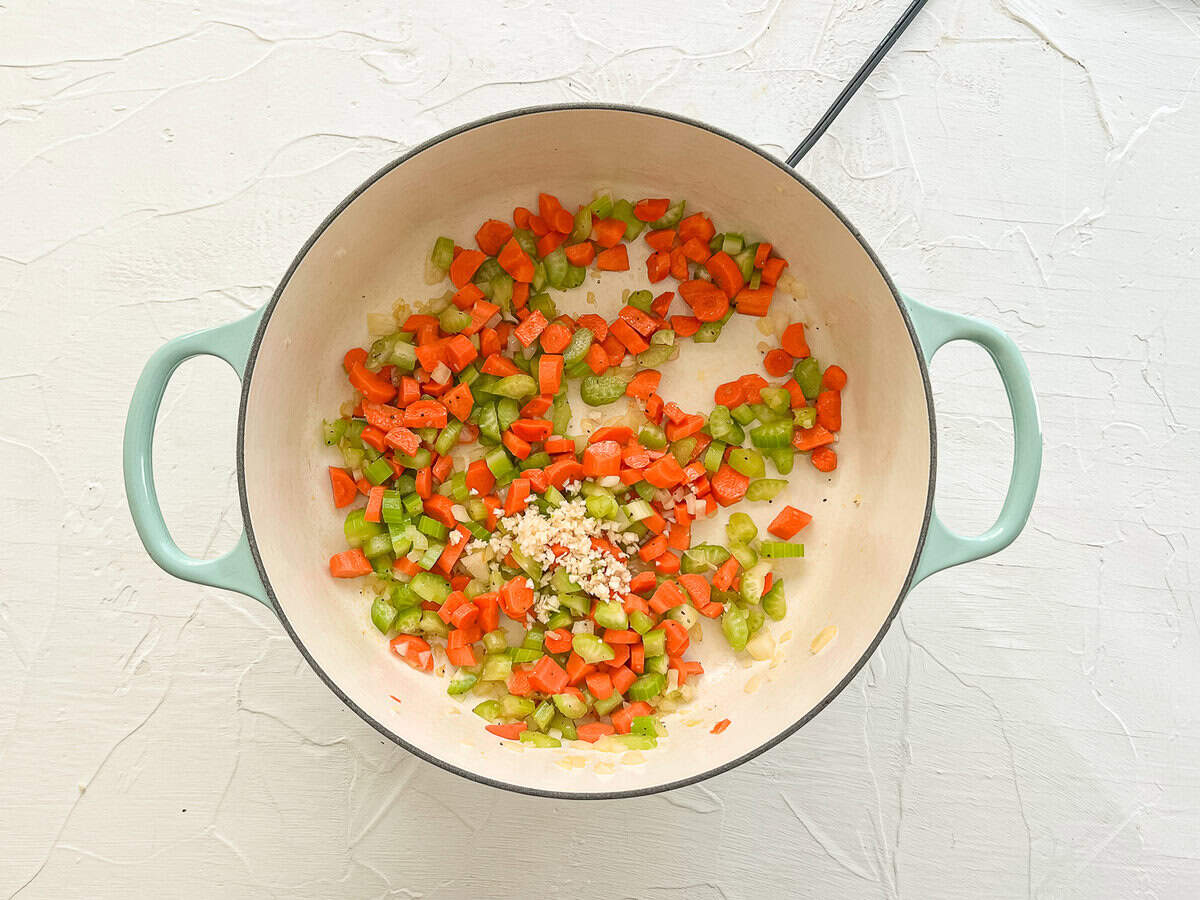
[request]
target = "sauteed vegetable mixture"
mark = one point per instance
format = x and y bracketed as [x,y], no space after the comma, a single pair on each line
[556,571]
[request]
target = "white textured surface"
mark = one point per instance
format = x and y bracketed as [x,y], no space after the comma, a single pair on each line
[1030,725]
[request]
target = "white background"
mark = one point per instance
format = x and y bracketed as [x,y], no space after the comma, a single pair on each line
[1028,728]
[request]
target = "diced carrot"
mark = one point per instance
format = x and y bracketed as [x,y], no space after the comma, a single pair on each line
[373,388]
[424,483]
[558,640]
[834,378]
[622,719]
[559,445]
[561,471]
[661,304]
[349,564]
[465,265]
[720,726]
[425,414]
[549,242]
[515,261]
[516,596]
[772,269]
[622,678]
[777,363]
[698,226]
[829,410]
[548,676]
[581,254]
[725,273]
[794,341]
[597,325]
[685,326]
[374,504]
[752,386]
[623,332]
[489,342]
[653,548]
[364,486]
[614,347]
[750,302]
[600,685]
[667,596]
[614,259]
[459,401]
[795,393]
[679,535]
[707,301]
[555,338]
[696,250]
[597,359]
[658,267]
[651,209]
[689,425]
[662,239]
[510,732]
[467,295]
[531,429]
[538,406]
[723,578]
[548,205]
[593,731]
[729,485]
[679,264]
[538,225]
[729,394]
[824,459]
[643,384]
[699,590]
[353,355]
[495,364]
[577,669]
[492,236]
[527,332]
[344,490]
[601,459]
[480,479]
[811,438]
[608,232]
[643,323]
[517,446]
[521,217]
[654,408]
[665,472]
[622,434]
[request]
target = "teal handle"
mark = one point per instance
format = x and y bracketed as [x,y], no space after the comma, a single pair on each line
[943,547]
[235,570]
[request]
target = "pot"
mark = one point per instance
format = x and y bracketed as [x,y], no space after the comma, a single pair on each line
[875,532]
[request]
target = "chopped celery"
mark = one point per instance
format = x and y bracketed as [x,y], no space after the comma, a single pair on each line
[772,435]
[808,375]
[383,614]
[332,432]
[600,390]
[774,603]
[570,706]
[780,549]
[443,253]
[488,709]
[515,707]
[744,555]
[765,488]
[732,244]
[556,267]
[453,320]
[582,227]
[783,458]
[431,623]
[657,355]
[611,615]
[461,683]
[747,462]
[702,557]
[601,506]
[602,206]
[448,437]
[496,667]
[592,649]
[507,410]
[714,456]
[430,588]
[777,399]
[644,725]
[640,300]
[640,622]
[638,509]
[581,341]
[653,437]
[542,716]
[526,240]
[517,386]
[499,462]
[649,685]
[741,528]
[804,416]
[734,627]
[544,304]
[378,471]
[655,642]
[623,210]
[742,414]
[753,582]
[502,292]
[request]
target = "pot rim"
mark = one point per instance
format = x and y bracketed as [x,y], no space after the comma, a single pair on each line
[379,726]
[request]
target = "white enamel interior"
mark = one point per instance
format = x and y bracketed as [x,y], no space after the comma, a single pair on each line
[867,516]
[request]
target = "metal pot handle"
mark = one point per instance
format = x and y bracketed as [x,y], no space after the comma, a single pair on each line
[235,570]
[943,547]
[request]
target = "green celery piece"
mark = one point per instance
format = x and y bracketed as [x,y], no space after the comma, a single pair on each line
[443,253]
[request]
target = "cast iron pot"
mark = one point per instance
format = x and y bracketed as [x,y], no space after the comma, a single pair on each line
[876,533]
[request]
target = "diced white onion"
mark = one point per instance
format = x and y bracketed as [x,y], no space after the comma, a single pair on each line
[762,645]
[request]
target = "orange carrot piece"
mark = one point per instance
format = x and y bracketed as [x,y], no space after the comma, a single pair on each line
[707,301]
[662,239]
[772,269]
[698,226]
[761,252]
[555,338]
[515,261]
[581,254]
[615,259]
[550,373]
[729,485]
[824,459]
[344,489]
[464,266]
[493,235]
[725,273]
[834,378]
[777,363]
[643,384]
[608,232]
[829,410]
[597,325]
[651,209]
[658,267]
[794,341]
[811,438]
[349,564]
[527,332]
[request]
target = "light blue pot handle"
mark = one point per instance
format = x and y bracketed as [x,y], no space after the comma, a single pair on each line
[943,548]
[235,570]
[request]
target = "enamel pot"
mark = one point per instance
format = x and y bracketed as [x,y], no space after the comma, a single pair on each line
[875,532]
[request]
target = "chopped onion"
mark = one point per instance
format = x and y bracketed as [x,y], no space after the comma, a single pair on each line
[441,374]
[609,481]
[762,645]
[379,324]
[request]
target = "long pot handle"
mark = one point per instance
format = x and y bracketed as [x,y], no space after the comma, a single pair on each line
[943,547]
[235,570]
